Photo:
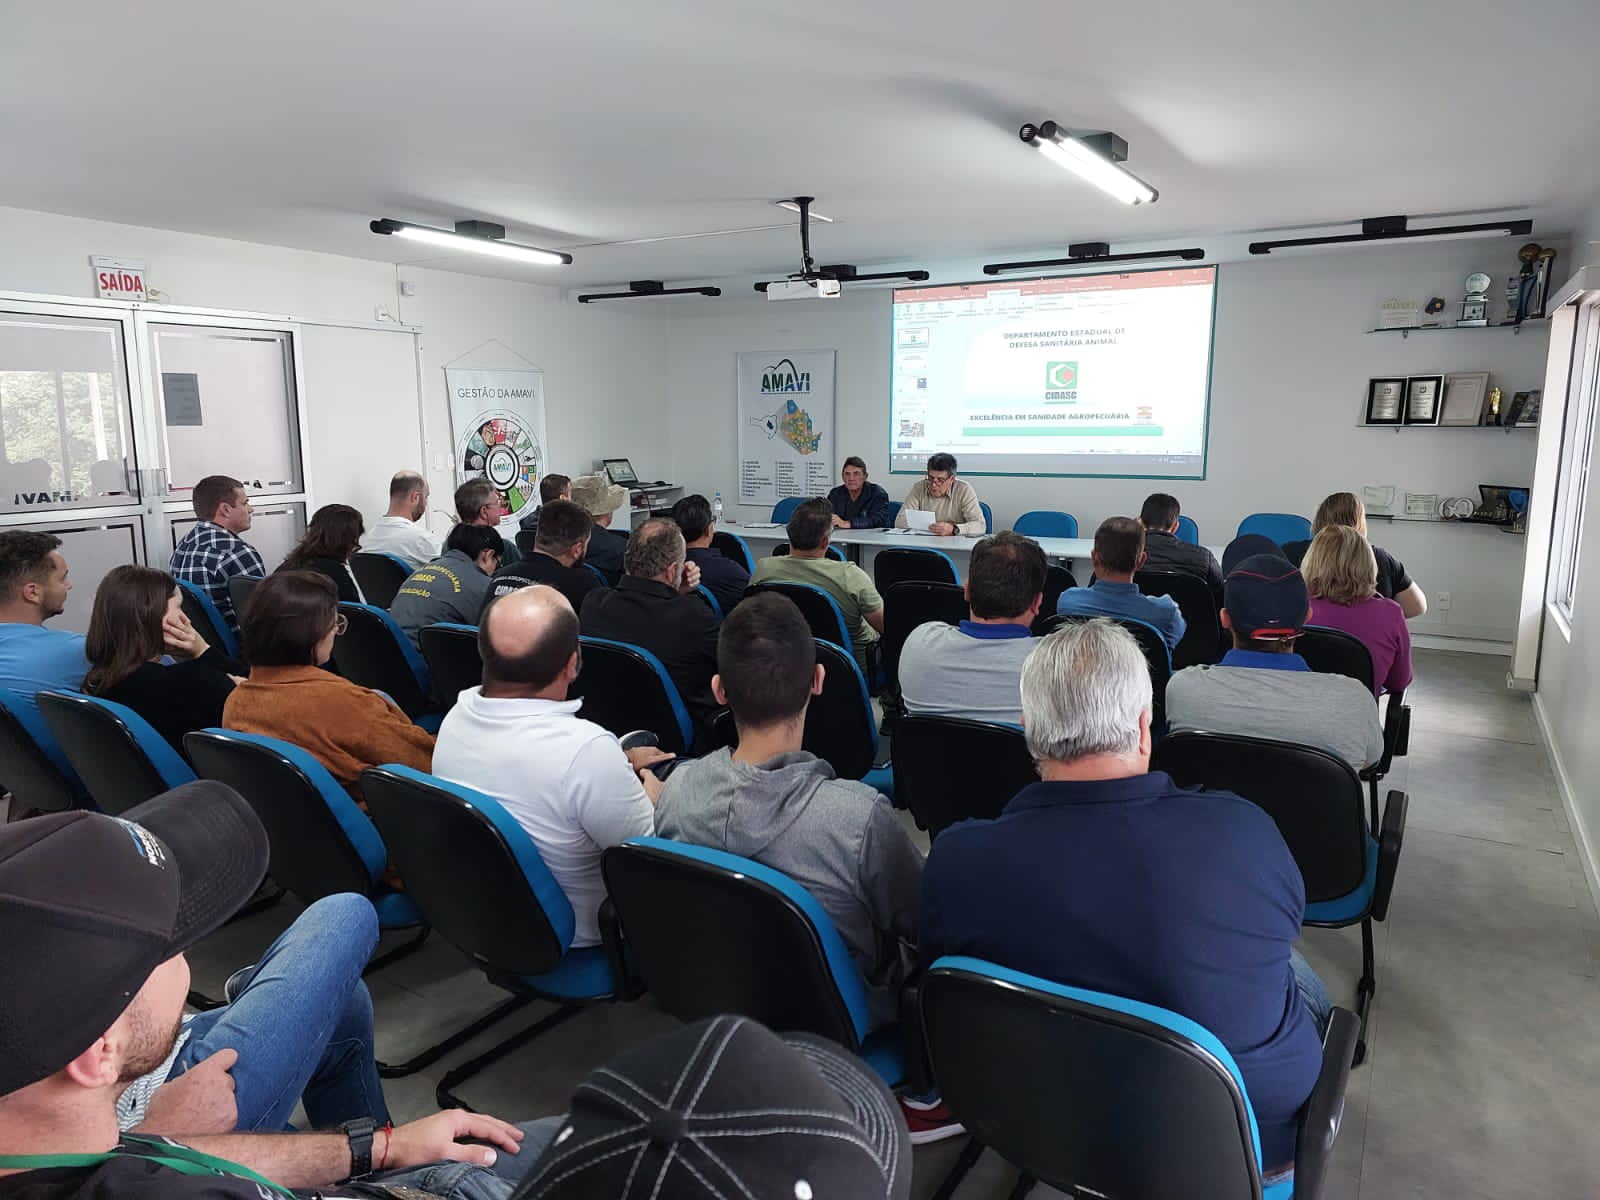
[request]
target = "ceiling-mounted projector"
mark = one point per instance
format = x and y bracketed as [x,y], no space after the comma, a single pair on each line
[800,288]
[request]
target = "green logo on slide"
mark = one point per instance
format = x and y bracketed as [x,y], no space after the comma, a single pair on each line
[1060,375]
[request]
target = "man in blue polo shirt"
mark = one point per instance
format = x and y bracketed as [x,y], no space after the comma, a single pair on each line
[1108,876]
[33,588]
[1118,555]
[974,670]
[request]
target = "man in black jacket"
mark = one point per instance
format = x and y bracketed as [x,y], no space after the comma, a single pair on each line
[723,578]
[656,608]
[1165,552]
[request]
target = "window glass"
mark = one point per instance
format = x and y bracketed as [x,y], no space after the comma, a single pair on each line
[91,549]
[1577,448]
[274,530]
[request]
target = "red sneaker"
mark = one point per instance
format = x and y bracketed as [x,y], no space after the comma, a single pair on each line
[929,1121]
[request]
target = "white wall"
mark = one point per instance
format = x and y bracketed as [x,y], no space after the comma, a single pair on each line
[1288,386]
[603,392]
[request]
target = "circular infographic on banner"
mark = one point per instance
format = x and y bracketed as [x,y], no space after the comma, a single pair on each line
[502,448]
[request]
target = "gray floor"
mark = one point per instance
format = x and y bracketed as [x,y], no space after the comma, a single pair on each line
[1484,1064]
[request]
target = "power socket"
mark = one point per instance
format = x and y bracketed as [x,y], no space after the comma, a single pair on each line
[1444,601]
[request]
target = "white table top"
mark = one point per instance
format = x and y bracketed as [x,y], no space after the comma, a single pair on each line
[955,544]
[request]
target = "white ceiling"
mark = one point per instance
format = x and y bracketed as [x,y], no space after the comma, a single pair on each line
[296,122]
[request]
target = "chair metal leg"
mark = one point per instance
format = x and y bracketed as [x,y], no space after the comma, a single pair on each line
[1023,1186]
[1365,987]
[405,948]
[434,1053]
[201,1002]
[445,1095]
[970,1154]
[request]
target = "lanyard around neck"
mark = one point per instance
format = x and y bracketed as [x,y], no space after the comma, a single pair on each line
[167,1154]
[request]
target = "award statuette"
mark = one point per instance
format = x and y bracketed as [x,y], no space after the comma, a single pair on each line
[1475,307]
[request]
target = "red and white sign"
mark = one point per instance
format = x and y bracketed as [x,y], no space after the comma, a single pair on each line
[118,278]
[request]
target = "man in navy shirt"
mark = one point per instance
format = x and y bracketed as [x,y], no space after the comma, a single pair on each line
[1108,876]
[1118,554]
[725,579]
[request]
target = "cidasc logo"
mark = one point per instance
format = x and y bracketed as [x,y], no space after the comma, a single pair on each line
[1060,375]
[783,378]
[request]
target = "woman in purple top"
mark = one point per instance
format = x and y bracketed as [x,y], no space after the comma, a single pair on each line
[1342,576]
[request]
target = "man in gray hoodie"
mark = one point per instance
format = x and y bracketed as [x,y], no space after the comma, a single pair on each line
[771,801]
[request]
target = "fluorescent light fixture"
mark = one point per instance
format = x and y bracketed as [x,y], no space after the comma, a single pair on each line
[642,288]
[478,237]
[1085,254]
[1096,157]
[794,208]
[1396,229]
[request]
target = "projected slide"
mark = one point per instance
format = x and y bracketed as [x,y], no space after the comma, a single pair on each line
[1083,375]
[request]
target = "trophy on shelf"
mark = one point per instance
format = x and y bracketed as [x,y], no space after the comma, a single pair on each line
[1543,276]
[1475,307]
[1520,287]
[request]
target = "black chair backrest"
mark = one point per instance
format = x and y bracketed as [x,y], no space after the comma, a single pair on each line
[208,621]
[454,664]
[819,609]
[624,688]
[240,589]
[1057,579]
[108,756]
[1155,655]
[1335,652]
[896,565]
[910,604]
[1092,1101]
[947,769]
[709,940]
[369,652]
[734,547]
[34,779]
[1201,643]
[312,856]
[462,872]
[1314,797]
[840,728]
[526,540]
[380,577]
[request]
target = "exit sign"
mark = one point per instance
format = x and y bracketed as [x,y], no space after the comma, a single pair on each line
[118,278]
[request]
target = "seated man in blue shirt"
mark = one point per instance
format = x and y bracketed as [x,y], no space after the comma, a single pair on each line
[725,579]
[1107,876]
[33,588]
[1118,554]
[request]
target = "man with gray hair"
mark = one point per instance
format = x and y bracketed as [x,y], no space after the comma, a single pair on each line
[655,606]
[1108,876]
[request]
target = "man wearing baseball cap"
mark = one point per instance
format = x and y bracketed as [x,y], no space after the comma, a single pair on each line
[602,498]
[1262,688]
[95,913]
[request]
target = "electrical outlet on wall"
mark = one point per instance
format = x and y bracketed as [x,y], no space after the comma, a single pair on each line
[1444,601]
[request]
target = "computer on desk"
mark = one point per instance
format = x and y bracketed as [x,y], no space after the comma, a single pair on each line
[620,471]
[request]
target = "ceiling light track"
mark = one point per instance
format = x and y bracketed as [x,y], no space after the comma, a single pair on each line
[644,289]
[1094,157]
[475,237]
[1085,254]
[1397,229]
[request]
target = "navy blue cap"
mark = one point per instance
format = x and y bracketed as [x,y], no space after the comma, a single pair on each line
[1266,597]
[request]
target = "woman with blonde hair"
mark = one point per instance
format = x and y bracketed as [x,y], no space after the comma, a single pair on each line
[1346,509]
[1341,572]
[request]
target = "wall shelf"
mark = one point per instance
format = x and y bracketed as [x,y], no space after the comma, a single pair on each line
[1434,428]
[1408,330]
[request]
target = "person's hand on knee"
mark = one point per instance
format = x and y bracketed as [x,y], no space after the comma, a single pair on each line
[201,1100]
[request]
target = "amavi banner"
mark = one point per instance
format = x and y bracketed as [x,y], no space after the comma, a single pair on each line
[785,424]
[497,425]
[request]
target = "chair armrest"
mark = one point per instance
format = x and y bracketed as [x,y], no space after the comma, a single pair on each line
[1391,837]
[914,1041]
[1320,1118]
[626,985]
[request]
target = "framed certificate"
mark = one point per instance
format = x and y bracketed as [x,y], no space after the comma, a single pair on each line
[1423,393]
[1386,400]
[1463,397]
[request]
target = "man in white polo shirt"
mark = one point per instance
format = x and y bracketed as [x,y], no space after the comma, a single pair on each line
[518,738]
[974,670]
[400,531]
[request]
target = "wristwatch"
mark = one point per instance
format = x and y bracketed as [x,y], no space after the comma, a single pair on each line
[360,1133]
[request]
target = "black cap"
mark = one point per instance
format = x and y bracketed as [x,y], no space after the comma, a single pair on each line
[90,905]
[1266,597]
[1247,545]
[726,1107]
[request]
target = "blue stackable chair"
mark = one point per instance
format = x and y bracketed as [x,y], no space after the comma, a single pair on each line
[625,688]
[705,594]
[898,564]
[781,550]
[821,611]
[207,618]
[375,652]
[598,574]
[734,547]
[322,843]
[478,880]
[121,760]
[894,512]
[1098,1095]
[1047,523]
[784,509]
[1188,531]
[1282,528]
[711,932]
[454,664]
[380,576]
[33,766]
[988,516]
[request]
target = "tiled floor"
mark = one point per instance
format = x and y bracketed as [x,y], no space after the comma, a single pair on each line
[1484,1063]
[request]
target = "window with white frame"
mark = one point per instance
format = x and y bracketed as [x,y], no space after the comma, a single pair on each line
[1577,449]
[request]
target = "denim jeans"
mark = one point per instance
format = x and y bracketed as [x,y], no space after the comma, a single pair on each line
[461,1181]
[302,1025]
[1312,991]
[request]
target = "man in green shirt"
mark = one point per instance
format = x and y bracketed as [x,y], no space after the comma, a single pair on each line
[810,529]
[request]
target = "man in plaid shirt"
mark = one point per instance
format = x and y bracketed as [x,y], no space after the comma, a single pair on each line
[213,552]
